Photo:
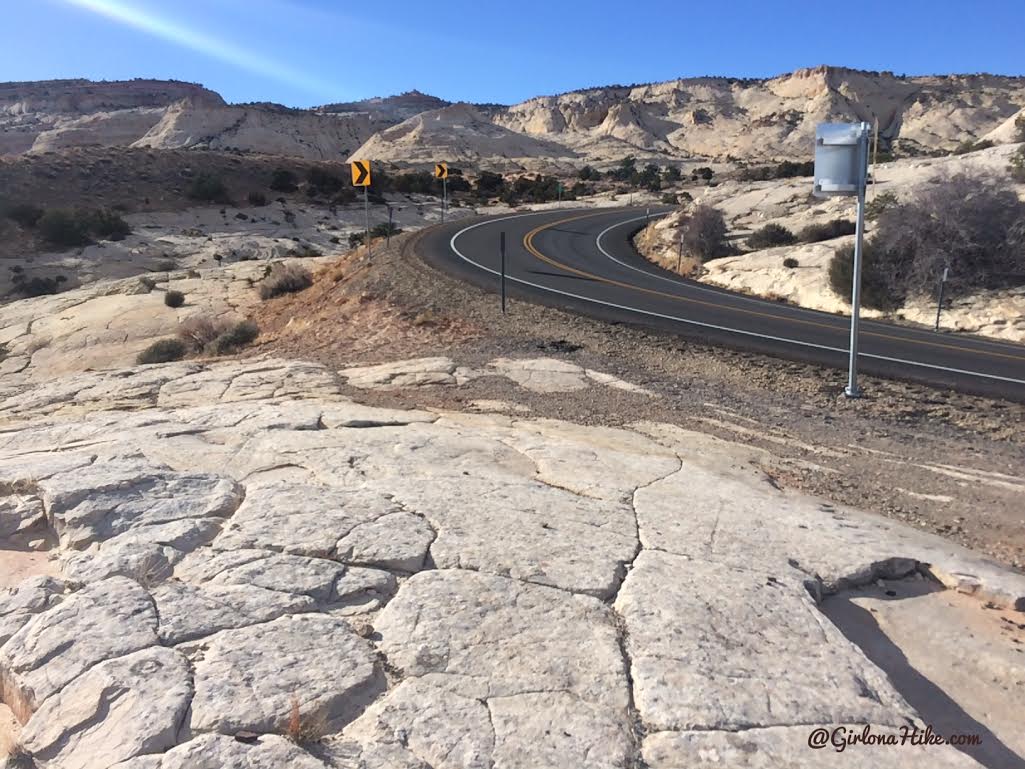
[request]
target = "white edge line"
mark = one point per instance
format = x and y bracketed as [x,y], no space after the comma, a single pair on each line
[651,313]
[694,285]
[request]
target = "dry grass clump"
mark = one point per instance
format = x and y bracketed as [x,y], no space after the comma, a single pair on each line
[285,279]
[304,730]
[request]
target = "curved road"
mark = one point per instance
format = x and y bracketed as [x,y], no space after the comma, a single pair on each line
[583,260]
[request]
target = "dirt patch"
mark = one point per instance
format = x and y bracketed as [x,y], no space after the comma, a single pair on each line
[18,564]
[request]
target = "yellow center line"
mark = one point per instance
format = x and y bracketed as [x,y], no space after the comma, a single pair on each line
[528,243]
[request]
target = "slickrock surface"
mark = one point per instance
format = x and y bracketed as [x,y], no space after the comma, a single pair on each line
[245,553]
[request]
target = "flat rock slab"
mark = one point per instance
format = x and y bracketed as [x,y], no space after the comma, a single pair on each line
[787,746]
[247,679]
[33,596]
[546,663]
[106,620]
[715,647]
[302,519]
[188,611]
[117,709]
[328,583]
[103,500]
[217,751]
[407,373]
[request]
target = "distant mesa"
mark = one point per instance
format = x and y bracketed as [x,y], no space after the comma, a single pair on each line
[708,118]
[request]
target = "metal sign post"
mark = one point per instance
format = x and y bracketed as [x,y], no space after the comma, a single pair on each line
[361,178]
[841,168]
[441,172]
[501,248]
[939,301]
[387,236]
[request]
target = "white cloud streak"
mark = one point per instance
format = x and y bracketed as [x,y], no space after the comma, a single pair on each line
[201,42]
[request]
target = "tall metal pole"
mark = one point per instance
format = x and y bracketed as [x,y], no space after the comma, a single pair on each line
[444,198]
[366,211]
[852,391]
[501,242]
[679,256]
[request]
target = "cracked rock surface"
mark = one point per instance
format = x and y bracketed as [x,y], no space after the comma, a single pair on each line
[243,553]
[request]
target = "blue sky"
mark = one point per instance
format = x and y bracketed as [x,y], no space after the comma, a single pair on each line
[307,52]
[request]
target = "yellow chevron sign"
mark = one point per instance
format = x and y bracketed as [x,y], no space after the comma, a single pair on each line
[360,173]
[441,171]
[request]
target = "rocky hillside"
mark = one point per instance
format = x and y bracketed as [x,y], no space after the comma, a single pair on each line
[57,115]
[461,133]
[701,118]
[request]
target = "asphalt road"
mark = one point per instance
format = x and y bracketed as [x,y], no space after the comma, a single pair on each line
[583,260]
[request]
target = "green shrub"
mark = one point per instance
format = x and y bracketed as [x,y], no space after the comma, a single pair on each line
[790,263]
[283,180]
[162,351]
[174,299]
[877,291]
[208,188]
[63,228]
[785,170]
[670,199]
[285,279]
[234,338]
[490,184]
[834,228]
[257,199]
[1019,128]
[356,239]
[24,214]
[771,235]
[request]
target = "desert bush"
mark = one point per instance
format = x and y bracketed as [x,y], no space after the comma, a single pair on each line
[790,263]
[670,199]
[324,181]
[37,286]
[283,180]
[834,228]
[285,279]
[703,233]
[24,214]
[969,146]
[785,170]
[207,188]
[174,299]
[199,331]
[1017,167]
[880,203]
[356,239]
[1019,128]
[234,338]
[971,223]
[162,351]
[490,184]
[771,235]
[61,227]
[877,292]
[384,230]
[105,223]
[257,198]
[589,174]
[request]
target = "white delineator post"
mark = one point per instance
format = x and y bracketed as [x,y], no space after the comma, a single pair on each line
[852,391]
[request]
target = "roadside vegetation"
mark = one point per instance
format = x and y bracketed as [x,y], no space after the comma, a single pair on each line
[703,233]
[970,223]
[200,335]
[67,227]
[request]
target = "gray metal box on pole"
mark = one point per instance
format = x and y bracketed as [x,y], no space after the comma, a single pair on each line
[841,168]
